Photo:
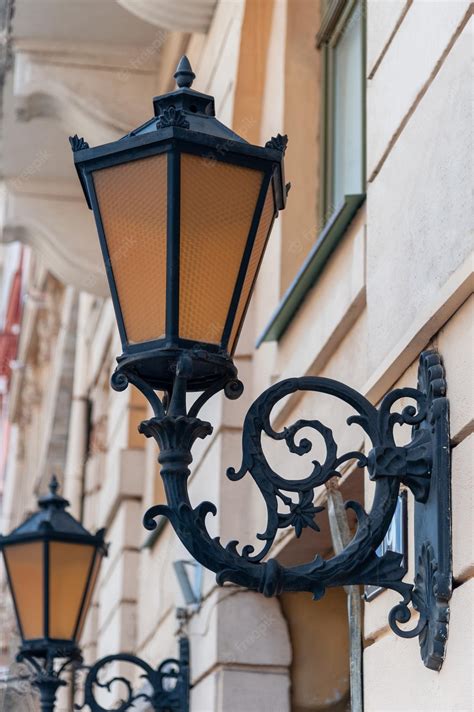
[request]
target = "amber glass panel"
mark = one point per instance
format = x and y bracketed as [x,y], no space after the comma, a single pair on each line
[69,568]
[263,232]
[132,199]
[25,568]
[90,591]
[218,201]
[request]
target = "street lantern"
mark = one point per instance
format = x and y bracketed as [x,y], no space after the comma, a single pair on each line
[52,564]
[184,208]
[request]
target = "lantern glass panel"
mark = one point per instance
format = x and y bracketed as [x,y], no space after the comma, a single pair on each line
[90,591]
[132,200]
[263,232]
[218,202]
[25,565]
[69,571]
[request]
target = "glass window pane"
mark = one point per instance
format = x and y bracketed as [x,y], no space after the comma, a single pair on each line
[69,568]
[218,201]
[348,110]
[25,569]
[132,199]
[263,232]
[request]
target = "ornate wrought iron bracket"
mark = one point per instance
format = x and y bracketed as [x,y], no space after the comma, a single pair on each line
[169,683]
[46,676]
[422,465]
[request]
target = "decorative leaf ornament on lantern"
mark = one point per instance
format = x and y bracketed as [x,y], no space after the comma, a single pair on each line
[184,208]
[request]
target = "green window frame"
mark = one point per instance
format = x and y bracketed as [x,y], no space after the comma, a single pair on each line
[342,41]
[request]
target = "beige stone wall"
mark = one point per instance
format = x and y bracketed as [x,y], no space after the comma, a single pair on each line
[399,281]
[419,258]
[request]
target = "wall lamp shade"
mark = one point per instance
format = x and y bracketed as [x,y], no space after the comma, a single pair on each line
[184,208]
[52,564]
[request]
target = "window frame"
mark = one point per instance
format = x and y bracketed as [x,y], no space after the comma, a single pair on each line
[335,221]
[335,19]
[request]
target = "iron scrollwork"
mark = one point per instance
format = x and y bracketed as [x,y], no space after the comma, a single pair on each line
[389,465]
[167,689]
[45,675]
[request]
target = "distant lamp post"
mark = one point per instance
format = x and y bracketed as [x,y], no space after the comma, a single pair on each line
[52,564]
[184,209]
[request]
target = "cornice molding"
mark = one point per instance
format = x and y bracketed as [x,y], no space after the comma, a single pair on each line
[103,100]
[59,230]
[173,15]
[93,55]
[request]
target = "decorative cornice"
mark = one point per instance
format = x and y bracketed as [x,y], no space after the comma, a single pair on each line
[53,222]
[185,16]
[72,90]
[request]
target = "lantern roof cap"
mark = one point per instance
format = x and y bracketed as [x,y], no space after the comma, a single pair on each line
[52,521]
[185,108]
[184,118]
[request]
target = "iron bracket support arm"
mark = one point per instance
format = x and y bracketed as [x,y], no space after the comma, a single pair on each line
[422,465]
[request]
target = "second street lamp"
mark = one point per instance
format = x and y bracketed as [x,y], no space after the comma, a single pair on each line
[184,208]
[52,564]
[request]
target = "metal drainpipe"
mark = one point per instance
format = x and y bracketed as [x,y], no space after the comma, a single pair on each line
[341,536]
[78,418]
[54,384]
[77,446]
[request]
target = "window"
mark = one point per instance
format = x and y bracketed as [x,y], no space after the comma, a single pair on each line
[342,42]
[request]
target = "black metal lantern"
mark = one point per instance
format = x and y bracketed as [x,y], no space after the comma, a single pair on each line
[184,208]
[52,564]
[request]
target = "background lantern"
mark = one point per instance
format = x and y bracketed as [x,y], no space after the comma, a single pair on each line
[184,208]
[52,564]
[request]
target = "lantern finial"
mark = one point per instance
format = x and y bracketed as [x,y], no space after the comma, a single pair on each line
[53,499]
[184,74]
[54,485]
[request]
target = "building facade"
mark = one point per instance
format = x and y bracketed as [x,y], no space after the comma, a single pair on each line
[370,264]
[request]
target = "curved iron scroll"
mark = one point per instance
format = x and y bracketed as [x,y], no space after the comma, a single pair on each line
[44,674]
[168,684]
[388,465]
